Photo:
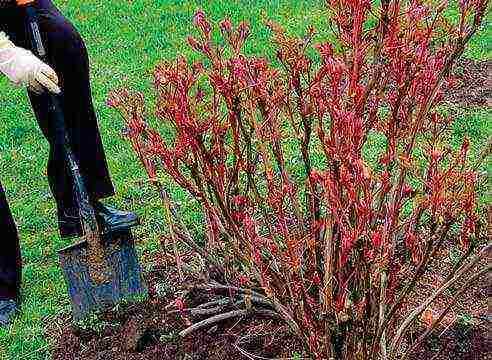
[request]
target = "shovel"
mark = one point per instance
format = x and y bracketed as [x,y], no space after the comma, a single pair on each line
[102,269]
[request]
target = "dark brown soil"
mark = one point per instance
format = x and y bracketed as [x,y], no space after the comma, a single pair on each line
[472,85]
[161,341]
[460,342]
[149,331]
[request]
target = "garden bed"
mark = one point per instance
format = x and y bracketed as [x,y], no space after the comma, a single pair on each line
[150,330]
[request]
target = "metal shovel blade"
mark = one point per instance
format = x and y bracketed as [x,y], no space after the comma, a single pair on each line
[124,275]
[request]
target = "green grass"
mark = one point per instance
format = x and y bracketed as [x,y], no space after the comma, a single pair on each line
[125,40]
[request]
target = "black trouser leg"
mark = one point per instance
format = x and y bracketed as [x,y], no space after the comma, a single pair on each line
[68,56]
[10,256]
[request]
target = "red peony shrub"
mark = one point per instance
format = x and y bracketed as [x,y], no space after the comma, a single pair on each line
[322,177]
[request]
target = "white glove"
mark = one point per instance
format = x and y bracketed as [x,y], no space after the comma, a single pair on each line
[25,69]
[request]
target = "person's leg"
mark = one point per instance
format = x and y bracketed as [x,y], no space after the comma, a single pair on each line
[68,56]
[10,255]
[10,264]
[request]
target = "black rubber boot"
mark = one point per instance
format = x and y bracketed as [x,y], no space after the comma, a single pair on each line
[69,223]
[108,218]
[112,220]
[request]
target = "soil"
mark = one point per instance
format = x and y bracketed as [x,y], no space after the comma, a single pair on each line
[460,342]
[471,85]
[119,340]
[150,330]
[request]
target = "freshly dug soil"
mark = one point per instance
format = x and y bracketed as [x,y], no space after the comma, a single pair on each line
[458,343]
[150,330]
[472,84]
[120,340]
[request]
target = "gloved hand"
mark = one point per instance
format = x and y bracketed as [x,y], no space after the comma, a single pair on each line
[25,69]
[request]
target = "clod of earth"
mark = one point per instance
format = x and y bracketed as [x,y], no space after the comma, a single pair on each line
[135,330]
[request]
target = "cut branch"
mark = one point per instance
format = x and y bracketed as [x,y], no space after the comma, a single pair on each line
[223,317]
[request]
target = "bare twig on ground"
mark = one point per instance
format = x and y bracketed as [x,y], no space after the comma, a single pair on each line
[225,316]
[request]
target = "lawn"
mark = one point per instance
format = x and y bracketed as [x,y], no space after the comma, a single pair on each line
[125,40]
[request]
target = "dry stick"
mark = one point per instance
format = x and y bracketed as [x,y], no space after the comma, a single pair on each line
[445,312]
[326,300]
[208,311]
[212,320]
[244,294]
[222,317]
[382,310]
[255,299]
[197,311]
[228,289]
[459,274]
[222,301]
[167,214]
[222,305]
[275,304]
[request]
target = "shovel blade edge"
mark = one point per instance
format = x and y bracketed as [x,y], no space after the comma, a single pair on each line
[124,275]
